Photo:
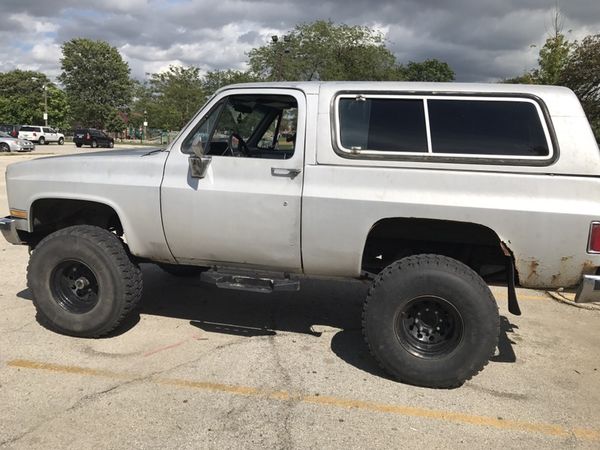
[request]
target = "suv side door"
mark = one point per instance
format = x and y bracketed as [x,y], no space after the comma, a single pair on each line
[246,210]
[50,135]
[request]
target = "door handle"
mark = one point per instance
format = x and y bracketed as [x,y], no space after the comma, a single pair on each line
[284,172]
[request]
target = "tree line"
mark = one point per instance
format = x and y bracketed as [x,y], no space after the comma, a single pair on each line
[97,88]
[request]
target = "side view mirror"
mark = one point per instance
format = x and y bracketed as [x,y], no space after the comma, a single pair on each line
[199,165]
[198,162]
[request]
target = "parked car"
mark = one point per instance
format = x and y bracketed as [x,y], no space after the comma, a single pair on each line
[41,135]
[12,144]
[92,137]
[13,130]
[429,191]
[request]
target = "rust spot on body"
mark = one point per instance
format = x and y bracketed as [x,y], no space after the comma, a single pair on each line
[533,266]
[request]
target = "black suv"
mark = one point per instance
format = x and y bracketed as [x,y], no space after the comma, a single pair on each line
[92,137]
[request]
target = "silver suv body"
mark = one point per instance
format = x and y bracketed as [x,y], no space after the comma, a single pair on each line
[429,190]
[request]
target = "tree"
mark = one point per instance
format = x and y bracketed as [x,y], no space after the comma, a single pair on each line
[581,73]
[552,57]
[96,80]
[22,99]
[428,70]
[216,79]
[554,54]
[324,51]
[173,97]
[115,122]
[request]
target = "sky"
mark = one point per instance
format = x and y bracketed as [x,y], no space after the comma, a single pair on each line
[482,40]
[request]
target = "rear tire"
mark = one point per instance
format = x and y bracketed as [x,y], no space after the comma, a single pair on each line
[111,144]
[83,281]
[4,147]
[41,140]
[431,321]
[61,141]
[94,144]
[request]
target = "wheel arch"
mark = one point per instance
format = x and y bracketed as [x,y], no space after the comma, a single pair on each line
[51,213]
[392,238]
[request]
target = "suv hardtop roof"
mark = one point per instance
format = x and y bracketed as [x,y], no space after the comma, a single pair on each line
[556,98]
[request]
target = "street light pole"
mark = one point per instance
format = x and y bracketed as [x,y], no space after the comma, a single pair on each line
[45,104]
[145,125]
[45,89]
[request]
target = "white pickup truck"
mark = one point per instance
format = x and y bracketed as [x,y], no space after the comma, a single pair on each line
[430,190]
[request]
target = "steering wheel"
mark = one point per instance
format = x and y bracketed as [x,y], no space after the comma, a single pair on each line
[242,147]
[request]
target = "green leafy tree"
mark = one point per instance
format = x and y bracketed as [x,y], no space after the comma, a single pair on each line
[115,122]
[526,78]
[552,57]
[96,80]
[171,98]
[428,70]
[59,114]
[581,73]
[322,50]
[22,99]
[216,79]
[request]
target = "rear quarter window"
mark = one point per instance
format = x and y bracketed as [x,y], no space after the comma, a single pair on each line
[503,128]
[383,124]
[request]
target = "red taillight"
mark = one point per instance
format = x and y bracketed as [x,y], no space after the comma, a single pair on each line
[14,133]
[87,136]
[34,134]
[594,243]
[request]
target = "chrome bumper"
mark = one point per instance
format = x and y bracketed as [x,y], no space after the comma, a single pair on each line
[8,226]
[589,289]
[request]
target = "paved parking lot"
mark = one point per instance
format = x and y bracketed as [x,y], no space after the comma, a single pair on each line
[199,367]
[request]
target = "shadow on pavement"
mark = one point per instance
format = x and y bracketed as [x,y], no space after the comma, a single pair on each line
[506,352]
[25,294]
[328,304]
[320,304]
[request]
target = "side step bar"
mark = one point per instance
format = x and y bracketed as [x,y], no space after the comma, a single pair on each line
[248,280]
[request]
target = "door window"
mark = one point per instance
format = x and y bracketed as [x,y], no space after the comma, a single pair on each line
[251,126]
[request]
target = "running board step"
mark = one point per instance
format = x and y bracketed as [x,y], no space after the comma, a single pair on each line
[248,280]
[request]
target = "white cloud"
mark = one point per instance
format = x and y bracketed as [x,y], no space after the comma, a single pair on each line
[481,39]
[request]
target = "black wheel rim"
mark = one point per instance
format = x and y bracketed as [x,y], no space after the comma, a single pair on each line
[429,327]
[74,287]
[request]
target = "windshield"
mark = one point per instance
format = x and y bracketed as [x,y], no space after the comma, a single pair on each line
[5,135]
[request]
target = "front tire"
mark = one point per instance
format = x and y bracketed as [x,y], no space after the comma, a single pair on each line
[83,281]
[78,145]
[94,144]
[61,141]
[431,321]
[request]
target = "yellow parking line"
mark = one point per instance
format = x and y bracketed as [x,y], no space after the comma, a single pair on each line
[339,402]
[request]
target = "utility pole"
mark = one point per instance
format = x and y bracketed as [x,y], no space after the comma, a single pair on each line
[280,54]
